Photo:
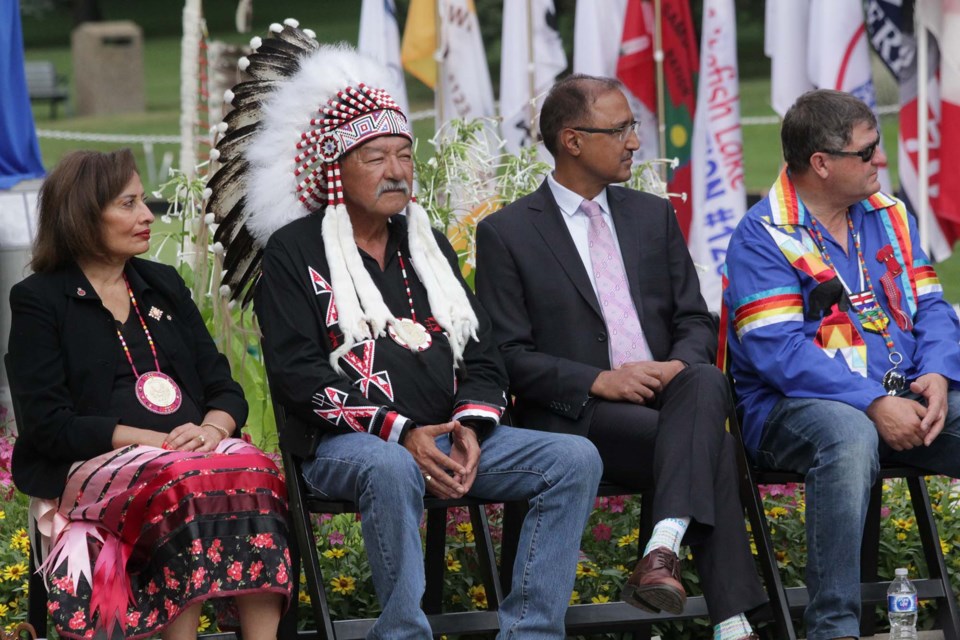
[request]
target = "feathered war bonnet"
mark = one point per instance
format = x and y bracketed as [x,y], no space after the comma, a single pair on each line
[307,106]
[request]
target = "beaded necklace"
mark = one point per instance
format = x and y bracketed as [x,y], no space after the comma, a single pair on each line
[155,390]
[407,332]
[893,380]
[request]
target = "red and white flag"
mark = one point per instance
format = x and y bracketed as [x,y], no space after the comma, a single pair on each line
[719,194]
[636,69]
[531,58]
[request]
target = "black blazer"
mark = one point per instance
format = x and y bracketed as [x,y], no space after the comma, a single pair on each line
[546,316]
[63,358]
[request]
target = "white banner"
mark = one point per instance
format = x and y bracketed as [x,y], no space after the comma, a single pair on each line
[527,70]
[380,39]
[719,194]
[785,43]
[465,78]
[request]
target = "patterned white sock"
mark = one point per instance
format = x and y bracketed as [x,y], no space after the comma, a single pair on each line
[668,533]
[732,628]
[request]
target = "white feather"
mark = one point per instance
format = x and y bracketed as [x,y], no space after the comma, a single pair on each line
[271,198]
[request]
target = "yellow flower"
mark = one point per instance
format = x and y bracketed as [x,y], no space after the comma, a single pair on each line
[303,577]
[777,512]
[3,514]
[574,597]
[339,552]
[15,604]
[4,610]
[586,570]
[782,557]
[453,565]
[343,584]
[203,624]
[753,547]
[945,546]
[478,595]
[304,597]
[599,598]
[630,538]
[20,541]
[901,536]
[467,530]
[622,569]
[15,571]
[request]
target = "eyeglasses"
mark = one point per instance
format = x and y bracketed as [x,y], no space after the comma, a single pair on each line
[865,154]
[620,132]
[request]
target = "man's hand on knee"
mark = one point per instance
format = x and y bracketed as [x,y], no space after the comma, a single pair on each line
[637,382]
[898,421]
[933,387]
[440,471]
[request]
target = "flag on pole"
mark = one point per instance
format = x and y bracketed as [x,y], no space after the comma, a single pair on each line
[380,39]
[892,36]
[595,52]
[785,39]
[531,58]
[680,79]
[19,150]
[636,69]
[464,89]
[719,194]
[945,26]
[838,56]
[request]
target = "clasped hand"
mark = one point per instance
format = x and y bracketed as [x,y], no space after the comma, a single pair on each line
[904,423]
[637,382]
[449,476]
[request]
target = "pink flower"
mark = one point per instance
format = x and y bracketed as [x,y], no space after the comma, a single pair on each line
[335,537]
[282,573]
[152,588]
[52,606]
[133,618]
[78,621]
[171,607]
[152,618]
[263,540]
[197,547]
[198,576]
[884,512]
[235,571]
[602,532]
[616,504]
[255,570]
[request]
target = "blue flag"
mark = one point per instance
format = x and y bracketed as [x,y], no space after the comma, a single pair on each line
[19,150]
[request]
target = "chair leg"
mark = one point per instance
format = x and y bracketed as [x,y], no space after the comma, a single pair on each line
[870,556]
[434,560]
[933,554]
[760,531]
[486,557]
[37,597]
[513,515]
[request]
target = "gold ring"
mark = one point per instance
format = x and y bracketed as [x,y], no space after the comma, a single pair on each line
[202,440]
[427,477]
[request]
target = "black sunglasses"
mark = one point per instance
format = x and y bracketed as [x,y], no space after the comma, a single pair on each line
[865,154]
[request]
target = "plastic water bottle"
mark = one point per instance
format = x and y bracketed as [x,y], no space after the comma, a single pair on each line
[902,607]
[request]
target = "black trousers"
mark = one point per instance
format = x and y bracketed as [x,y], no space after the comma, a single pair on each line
[679,446]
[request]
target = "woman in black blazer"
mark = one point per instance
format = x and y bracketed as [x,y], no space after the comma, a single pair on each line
[129,420]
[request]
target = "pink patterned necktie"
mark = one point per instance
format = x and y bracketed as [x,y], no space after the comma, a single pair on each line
[627,343]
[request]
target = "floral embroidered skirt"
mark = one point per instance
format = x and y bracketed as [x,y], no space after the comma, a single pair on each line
[142,533]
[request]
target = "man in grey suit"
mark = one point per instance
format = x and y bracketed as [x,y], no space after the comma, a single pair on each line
[597,310]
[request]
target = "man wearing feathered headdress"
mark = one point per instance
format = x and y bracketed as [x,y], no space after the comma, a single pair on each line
[374,344]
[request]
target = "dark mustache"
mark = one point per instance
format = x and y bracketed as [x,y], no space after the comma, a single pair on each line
[393,185]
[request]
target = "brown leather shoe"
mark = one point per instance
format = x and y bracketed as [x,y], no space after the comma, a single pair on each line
[655,583]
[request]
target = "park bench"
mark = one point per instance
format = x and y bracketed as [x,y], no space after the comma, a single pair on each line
[43,83]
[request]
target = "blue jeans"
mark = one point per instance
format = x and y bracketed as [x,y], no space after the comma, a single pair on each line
[839,450]
[556,474]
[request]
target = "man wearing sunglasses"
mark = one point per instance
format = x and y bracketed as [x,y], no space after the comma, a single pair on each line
[844,352]
[596,306]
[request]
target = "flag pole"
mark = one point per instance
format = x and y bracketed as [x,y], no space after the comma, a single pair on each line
[531,72]
[438,58]
[923,178]
[661,103]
